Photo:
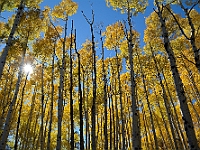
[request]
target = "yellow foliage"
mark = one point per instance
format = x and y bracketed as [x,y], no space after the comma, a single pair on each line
[64,9]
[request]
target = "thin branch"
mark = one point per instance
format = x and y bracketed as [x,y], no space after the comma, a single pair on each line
[88,21]
[193,6]
[56,30]
[187,59]
[177,23]
[155,10]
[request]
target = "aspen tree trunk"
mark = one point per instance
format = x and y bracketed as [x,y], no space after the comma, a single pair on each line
[85,109]
[10,38]
[145,130]
[113,120]
[94,92]
[151,115]
[19,116]
[12,105]
[42,111]
[45,128]
[191,79]
[116,118]
[160,130]
[176,114]
[61,89]
[167,106]
[128,122]
[188,124]
[86,114]
[70,94]
[104,96]
[110,109]
[80,97]
[148,103]
[93,111]
[5,101]
[2,103]
[192,38]
[37,136]
[52,98]
[136,139]
[120,99]
[28,123]
[113,109]
[163,120]
[194,109]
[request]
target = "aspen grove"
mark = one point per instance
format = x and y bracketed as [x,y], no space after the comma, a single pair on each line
[56,95]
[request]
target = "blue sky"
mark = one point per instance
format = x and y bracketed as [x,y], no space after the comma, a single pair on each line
[103,15]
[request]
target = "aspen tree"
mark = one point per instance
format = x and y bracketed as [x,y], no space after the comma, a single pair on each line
[189,128]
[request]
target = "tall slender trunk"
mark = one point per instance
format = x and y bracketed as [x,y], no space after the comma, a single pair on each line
[19,116]
[110,110]
[80,96]
[61,89]
[148,102]
[175,112]
[136,139]
[5,102]
[94,93]
[166,102]
[113,120]
[194,109]
[120,99]
[12,105]
[28,123]
[116,117]
[192,80]
[42,111]
[188,124]
[145,130]
[93,110]
[52,98]
[160,130]
[163,120]
[10,38]
[104,97]
[86,113]
[70,93]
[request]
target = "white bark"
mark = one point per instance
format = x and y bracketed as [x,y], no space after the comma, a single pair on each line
[8,43]
[136,140]
[188,124]
[12,105]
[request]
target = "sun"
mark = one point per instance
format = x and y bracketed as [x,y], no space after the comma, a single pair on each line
[28,68]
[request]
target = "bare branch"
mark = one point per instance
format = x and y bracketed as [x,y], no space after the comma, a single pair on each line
[178,23]
[88,20]
[56,30]
[187,59]
[155,10]
[193,6]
